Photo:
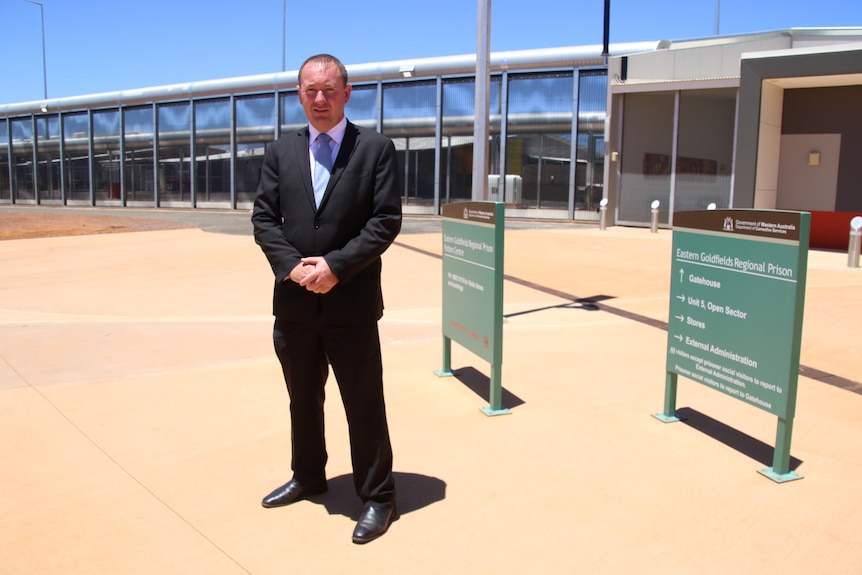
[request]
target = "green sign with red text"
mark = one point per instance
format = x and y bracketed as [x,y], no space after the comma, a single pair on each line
[473,285]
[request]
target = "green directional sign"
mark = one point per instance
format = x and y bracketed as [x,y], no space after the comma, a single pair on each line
[473,286]
[736,303]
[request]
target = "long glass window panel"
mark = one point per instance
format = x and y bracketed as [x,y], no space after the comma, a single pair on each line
[256,113]
[457,168]
[23,183]
[704,164]
[417,165]
[212,116]
[362,108]
[212,150]
[539,144]
[292,114]
[589,169]
[138,125]
[106,159]
[540,100]
[255,128]
[409,118]
[646,156]
[76,149]
[174,176]
[174,118]
[409,109]
[138,138]
[456,165]
[459,96]
[5,181]
[48,163]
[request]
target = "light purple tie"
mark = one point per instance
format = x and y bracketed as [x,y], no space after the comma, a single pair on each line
[322,166]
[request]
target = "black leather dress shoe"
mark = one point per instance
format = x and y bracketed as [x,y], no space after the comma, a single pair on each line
[290,492]
[374,522]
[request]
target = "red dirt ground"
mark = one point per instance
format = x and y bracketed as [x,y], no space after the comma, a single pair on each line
[14,226]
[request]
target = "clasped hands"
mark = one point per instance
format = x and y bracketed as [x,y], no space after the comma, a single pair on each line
[314,275]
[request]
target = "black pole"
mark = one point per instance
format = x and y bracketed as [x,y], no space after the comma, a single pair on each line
[606,42]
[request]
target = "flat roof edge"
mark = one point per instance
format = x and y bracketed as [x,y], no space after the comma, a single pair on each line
[572,56]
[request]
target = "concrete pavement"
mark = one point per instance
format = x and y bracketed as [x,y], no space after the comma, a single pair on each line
[144,417]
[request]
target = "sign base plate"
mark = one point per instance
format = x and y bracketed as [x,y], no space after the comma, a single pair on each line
[779,477]
[666,418]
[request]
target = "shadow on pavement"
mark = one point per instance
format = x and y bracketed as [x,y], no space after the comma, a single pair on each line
[733,438]
[415,491]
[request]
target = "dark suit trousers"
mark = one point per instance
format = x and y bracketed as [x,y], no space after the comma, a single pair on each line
[303,349]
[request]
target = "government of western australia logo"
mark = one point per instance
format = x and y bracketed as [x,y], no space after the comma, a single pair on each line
[728,224]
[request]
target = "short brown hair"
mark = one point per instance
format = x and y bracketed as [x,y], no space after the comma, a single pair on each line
[325,60]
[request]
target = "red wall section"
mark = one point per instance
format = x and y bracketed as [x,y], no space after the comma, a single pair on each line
[831,230]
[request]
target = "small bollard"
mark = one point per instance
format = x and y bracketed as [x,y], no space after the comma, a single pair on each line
[603,210]
[654,224]
[855,245]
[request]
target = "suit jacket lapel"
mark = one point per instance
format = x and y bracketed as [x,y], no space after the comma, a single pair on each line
[345,152]
[303,163]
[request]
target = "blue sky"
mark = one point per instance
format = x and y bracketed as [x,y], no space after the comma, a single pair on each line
[95,46]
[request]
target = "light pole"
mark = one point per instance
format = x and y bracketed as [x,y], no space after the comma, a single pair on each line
[717,13]
[44,62]
[482,102]
[607,32]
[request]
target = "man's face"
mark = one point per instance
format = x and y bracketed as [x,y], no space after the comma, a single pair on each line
[323,95]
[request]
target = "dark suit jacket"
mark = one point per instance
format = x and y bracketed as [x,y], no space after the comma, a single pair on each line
[359,217]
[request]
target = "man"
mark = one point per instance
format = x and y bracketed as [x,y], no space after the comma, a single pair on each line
[324,241]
